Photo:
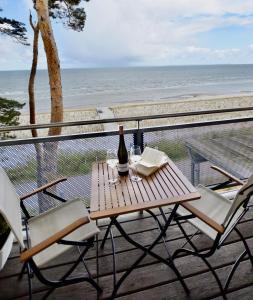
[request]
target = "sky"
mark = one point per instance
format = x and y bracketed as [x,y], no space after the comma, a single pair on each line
[126,33]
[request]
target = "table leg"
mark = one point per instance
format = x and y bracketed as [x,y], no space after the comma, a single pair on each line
[113,257]
[163,214]
[146,251]
[106,235]
[97,261]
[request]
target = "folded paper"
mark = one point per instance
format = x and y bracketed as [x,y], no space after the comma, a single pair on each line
[151,161]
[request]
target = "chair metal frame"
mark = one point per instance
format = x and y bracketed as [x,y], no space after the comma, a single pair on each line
[27,255]
[220,237]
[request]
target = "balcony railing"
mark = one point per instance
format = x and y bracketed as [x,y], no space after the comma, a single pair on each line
[72,155]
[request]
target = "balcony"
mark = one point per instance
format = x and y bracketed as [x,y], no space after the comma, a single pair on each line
[229,145]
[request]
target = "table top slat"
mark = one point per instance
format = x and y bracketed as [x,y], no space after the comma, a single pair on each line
[153,188]
[114,200]
[139,197]
[101,187]
[145,189]
[176,181]
[134,193]
[125,195]
[168,182]
[144,193]
[163,185]
[108,196]
[182,178]
[120,194]
[158,186]
[94,205]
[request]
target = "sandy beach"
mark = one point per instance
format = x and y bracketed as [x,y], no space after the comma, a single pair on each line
[146,109]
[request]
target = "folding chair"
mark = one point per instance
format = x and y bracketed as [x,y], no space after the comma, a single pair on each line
[50,234]
[216,217]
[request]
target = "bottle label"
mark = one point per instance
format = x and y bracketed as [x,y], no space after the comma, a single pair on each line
[123,167]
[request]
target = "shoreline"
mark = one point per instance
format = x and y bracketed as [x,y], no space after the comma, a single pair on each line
[164,100]
[146,108]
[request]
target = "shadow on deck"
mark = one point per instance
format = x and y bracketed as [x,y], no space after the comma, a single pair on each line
[152,280]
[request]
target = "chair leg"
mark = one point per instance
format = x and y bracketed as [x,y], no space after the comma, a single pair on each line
[239,259]
[175,255]
[68,273]
[29,276]
[223,291]
[83,261]
[21,274]
[29,280]
[114,258]
[245,245]
[195,253]
[188,239]
[90,280]
[236,264]
[97,262]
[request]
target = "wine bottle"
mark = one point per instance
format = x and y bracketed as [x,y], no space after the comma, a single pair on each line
[123,168]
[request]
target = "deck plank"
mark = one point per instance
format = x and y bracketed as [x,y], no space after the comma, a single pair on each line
[152,280]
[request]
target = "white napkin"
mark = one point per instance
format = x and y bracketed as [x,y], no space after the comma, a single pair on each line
[151,161]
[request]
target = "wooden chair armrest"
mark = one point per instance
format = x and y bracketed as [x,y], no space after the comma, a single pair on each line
[28,254]
[43,187]
[230,176]
[217,227]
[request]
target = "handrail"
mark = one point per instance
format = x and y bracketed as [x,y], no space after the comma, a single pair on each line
[123,119]
[127,131]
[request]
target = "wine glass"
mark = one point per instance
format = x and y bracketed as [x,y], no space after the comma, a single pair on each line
[135,157]
[112,161]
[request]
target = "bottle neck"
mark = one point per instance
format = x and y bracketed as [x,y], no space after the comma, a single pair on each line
[121,132]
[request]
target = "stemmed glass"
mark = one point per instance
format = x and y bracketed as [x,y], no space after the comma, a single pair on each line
[135,157]
[112,161]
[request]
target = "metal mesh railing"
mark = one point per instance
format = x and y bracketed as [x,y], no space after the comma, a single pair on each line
[29,163]
[195,148]
[68,158]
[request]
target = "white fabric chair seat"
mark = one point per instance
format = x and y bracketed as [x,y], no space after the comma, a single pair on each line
[46,224]
[215,206]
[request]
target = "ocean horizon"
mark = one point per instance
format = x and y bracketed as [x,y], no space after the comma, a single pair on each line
[101,87]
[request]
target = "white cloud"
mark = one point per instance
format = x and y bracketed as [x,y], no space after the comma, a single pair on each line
[193,49]
[12,54]
[148,32]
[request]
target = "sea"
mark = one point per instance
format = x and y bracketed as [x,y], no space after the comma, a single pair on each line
[108,86]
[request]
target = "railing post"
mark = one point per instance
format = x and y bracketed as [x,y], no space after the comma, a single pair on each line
[138,138]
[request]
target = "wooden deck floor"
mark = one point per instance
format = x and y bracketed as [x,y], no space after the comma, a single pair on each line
[152,280]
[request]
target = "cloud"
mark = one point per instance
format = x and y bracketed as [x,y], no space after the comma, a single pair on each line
[148,32]
[151,32]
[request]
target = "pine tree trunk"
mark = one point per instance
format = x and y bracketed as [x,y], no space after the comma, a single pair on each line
[32,111]
[53,64]
[33,72]
[49,168]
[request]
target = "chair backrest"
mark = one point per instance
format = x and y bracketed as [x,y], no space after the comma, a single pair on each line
[242,195]
[10,206]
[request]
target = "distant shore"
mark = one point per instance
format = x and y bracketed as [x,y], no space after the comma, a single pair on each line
[147,108]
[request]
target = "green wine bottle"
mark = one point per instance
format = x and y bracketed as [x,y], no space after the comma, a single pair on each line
[123,168]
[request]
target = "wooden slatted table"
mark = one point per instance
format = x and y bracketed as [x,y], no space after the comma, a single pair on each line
[167,186]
